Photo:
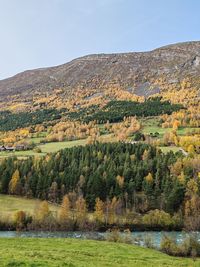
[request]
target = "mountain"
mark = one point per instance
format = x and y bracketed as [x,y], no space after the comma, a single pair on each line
[141,73]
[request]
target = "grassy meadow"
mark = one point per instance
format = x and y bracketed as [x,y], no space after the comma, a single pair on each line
[166,149]
[53,147]
[150,125]
[82,253]
[45,148]
[11,204]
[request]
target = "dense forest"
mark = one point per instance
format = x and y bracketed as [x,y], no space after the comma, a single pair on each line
[115,111]
[139,177]
[100,170]
[11,121]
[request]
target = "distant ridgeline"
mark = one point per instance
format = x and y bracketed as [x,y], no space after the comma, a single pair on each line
[114,111]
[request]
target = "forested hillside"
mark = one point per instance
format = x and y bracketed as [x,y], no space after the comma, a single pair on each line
[114,111]
[115,179]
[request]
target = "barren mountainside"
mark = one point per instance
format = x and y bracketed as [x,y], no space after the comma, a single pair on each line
[141,73]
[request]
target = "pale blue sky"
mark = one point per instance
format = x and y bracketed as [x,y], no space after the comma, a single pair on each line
[40,33]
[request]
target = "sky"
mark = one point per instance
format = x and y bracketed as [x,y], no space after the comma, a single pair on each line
[42,33]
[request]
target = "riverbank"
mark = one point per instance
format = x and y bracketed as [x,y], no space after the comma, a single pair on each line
[139,238]
[71,252]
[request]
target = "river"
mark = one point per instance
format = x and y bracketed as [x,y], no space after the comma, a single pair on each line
[138,237]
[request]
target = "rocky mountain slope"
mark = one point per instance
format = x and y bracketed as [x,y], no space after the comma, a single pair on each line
[142,73]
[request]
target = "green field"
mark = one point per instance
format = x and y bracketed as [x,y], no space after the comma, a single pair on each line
[10,204]
[166,149]
[46,148]
[20,154]
[53,147]
[82,253]
[150,125]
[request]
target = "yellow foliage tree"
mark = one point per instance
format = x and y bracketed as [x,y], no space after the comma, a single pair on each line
[192,202]
[176,124]
[81,209]
[181,178]
[145,155]
[42,212]
[64,213]
[99,210]
[149,178]
[190,149]
[15,185]
[120,180]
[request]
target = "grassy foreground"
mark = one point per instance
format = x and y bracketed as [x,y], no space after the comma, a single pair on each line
[71,252]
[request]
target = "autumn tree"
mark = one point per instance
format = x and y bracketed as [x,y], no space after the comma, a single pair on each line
[112,213]
[15,185]
[175,125]
[42,212]
[81,211]
[120,181]
[181,178]
[149,178]
[21,219]
[53,192]
[64,213]
[190,149]
[99,210]
[145,155]
[192,206]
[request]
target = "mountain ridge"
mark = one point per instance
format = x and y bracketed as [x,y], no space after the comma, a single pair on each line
[161,68]
[103,54]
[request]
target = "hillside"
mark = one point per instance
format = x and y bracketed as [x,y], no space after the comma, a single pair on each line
[143,73]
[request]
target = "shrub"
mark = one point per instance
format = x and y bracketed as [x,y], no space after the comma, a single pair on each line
[158,218]
[139,136]
[148,241]
[21,220]
[37,150]
[114,235]
[127,238]
[169,246]
[189,247]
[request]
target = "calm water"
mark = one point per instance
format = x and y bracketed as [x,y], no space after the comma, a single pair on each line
[138,237]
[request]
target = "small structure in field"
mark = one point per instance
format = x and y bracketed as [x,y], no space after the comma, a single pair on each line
[20,147]
[2,148]
[6,148]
